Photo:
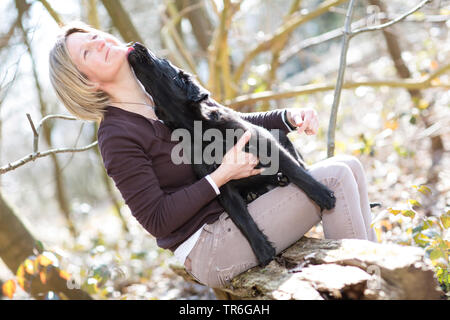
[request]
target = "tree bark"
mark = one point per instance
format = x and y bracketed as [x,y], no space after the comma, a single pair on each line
[202,26]
[122,21]
[16,242]
[323,269]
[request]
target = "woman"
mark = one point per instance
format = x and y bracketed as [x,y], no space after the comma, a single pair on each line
[91,75]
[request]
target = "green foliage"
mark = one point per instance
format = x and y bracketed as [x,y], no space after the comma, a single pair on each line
[429,233]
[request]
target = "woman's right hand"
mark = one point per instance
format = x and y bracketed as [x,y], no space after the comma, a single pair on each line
[236,163]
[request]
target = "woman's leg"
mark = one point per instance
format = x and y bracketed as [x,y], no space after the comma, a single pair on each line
[358,172]
[284,214]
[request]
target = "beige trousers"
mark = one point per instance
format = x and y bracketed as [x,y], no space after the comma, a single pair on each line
[285,214]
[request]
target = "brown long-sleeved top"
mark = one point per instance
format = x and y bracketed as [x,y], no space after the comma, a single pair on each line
[166,198]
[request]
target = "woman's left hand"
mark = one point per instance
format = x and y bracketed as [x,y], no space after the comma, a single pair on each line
[305,119]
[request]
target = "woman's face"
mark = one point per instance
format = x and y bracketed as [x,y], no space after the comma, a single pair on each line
[98,56]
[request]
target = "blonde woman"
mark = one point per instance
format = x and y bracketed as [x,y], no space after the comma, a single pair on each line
[91,76]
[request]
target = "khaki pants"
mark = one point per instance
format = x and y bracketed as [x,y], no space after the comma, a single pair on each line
[285,214]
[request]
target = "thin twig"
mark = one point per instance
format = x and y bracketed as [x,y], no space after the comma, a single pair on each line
[35,155]
[37,131]
[390,23]
[35,134]
[54,116]
[337,33]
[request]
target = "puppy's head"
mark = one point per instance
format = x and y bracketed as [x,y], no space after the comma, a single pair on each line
[165,82]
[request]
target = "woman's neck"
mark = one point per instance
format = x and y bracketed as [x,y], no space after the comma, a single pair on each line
[128,94]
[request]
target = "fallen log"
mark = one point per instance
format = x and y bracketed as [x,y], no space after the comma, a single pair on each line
[322,269]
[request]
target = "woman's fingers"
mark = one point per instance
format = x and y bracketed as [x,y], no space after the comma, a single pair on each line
[309,123]
[313,127]
[243,140]
[304,124]
[256,171]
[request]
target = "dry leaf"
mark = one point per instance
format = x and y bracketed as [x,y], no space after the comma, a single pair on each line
[8,288]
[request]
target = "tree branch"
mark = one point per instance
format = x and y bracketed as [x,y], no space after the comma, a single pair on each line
[348,35]
[168,29]
[340,78]
[424,83]
[390,23]
[36,154]
[33,156]
[121,20]
[52,12]
[337,33]
[285,29]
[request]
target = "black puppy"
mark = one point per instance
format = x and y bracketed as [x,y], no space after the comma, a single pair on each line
[180,101]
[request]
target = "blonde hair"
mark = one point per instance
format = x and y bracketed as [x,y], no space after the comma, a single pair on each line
[72,87]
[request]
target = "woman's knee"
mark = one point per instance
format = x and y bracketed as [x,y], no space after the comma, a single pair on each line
[333,173]
[353,162]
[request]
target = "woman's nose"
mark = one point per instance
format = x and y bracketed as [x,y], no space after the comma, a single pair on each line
[98,44]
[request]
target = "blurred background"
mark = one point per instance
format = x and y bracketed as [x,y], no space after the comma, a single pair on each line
[252,55]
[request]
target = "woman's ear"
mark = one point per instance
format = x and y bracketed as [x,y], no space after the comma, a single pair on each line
[97,86]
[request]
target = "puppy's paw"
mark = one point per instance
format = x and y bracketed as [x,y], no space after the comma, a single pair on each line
[265,253]
[324,198]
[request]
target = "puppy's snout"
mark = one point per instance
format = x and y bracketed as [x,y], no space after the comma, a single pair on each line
[139,53]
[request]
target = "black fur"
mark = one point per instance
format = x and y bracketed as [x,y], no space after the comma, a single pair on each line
[180,100]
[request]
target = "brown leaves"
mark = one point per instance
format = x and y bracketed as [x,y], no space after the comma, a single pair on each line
[35,272]
[9,288]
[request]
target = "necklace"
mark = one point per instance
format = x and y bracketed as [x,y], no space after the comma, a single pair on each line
[140,103]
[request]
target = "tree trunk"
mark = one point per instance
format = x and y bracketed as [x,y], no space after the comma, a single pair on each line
[321,269]
[202,26]
[122,21]
[17,244]
[60,191]
[437,145]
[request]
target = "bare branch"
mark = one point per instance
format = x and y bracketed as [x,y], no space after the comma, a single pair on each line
[340,78]
[35,134]
[37,131]
[52,12]
[348,34]
[54,116]
[33,156]
[390,23]
[122,21]
[171,34]
[36,154]
[4,39]
[337,33]
[287,28]
[411,84]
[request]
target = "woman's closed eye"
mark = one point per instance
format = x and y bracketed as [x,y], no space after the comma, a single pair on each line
[85,53]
